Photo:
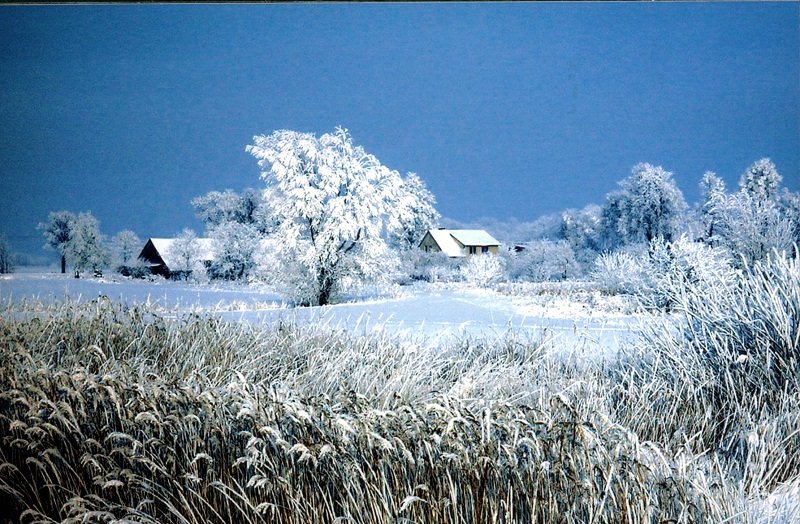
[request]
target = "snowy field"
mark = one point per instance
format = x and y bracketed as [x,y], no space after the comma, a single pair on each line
[433,313]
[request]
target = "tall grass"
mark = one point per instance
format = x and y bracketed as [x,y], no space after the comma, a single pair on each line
[111,413]
[726,376]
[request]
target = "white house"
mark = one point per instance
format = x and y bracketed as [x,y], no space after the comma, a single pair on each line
[459,242]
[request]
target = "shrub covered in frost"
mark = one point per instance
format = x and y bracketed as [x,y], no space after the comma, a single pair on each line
[622,272]
[685,267]
[483,270]
[661,273]
[435,267]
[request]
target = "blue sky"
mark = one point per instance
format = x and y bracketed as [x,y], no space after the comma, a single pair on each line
[505,110]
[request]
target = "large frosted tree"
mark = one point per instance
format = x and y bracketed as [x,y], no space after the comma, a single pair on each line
[185,251]
[753,221]
[648,206]
[86,249]
[417,213]
[58,233]
[126,245]
[333,205]
[236,246]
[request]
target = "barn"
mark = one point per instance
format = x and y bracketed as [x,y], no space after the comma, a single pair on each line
[160,255]
[457,243]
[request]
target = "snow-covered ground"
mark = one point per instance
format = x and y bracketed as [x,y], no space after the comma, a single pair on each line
[433,312]
[161,294]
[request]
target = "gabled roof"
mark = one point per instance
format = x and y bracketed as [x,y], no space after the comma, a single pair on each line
[446,242]
[452,241]
[473,237]
[205,247]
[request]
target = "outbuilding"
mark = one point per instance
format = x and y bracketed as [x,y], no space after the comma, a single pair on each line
[163,259]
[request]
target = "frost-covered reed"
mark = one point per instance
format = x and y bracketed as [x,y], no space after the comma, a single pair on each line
[112,413]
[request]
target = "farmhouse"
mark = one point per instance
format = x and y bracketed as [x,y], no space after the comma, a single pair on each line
[459,242]
[163,260]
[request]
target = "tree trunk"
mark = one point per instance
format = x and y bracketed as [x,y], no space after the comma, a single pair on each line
[325,287]
[324,294]
[63,263]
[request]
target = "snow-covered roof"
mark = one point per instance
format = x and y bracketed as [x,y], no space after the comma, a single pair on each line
[452,241]
[473,237]
[446,242]
[205,248]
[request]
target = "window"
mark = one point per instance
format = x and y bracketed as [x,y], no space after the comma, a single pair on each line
[473,250]
[485,249]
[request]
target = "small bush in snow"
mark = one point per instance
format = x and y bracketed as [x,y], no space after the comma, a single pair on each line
[681,267]
[137,269]
[483,270]
[621,272]
[434,267]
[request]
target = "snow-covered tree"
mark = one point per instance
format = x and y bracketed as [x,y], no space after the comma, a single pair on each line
[186,252]
[236,245]
[713,190]
[416,212]
[543,260]
[581,230]
[85,249]
[58,233]
[752,228]
[751,222]
[611,235]
[251,207]
[331,202]
[126,245]
[5,255]
[761,180]
[790,203]
[217,207]
[648,205]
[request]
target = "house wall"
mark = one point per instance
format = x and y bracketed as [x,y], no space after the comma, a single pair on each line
[479,250]
[151,255]
[428,244]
